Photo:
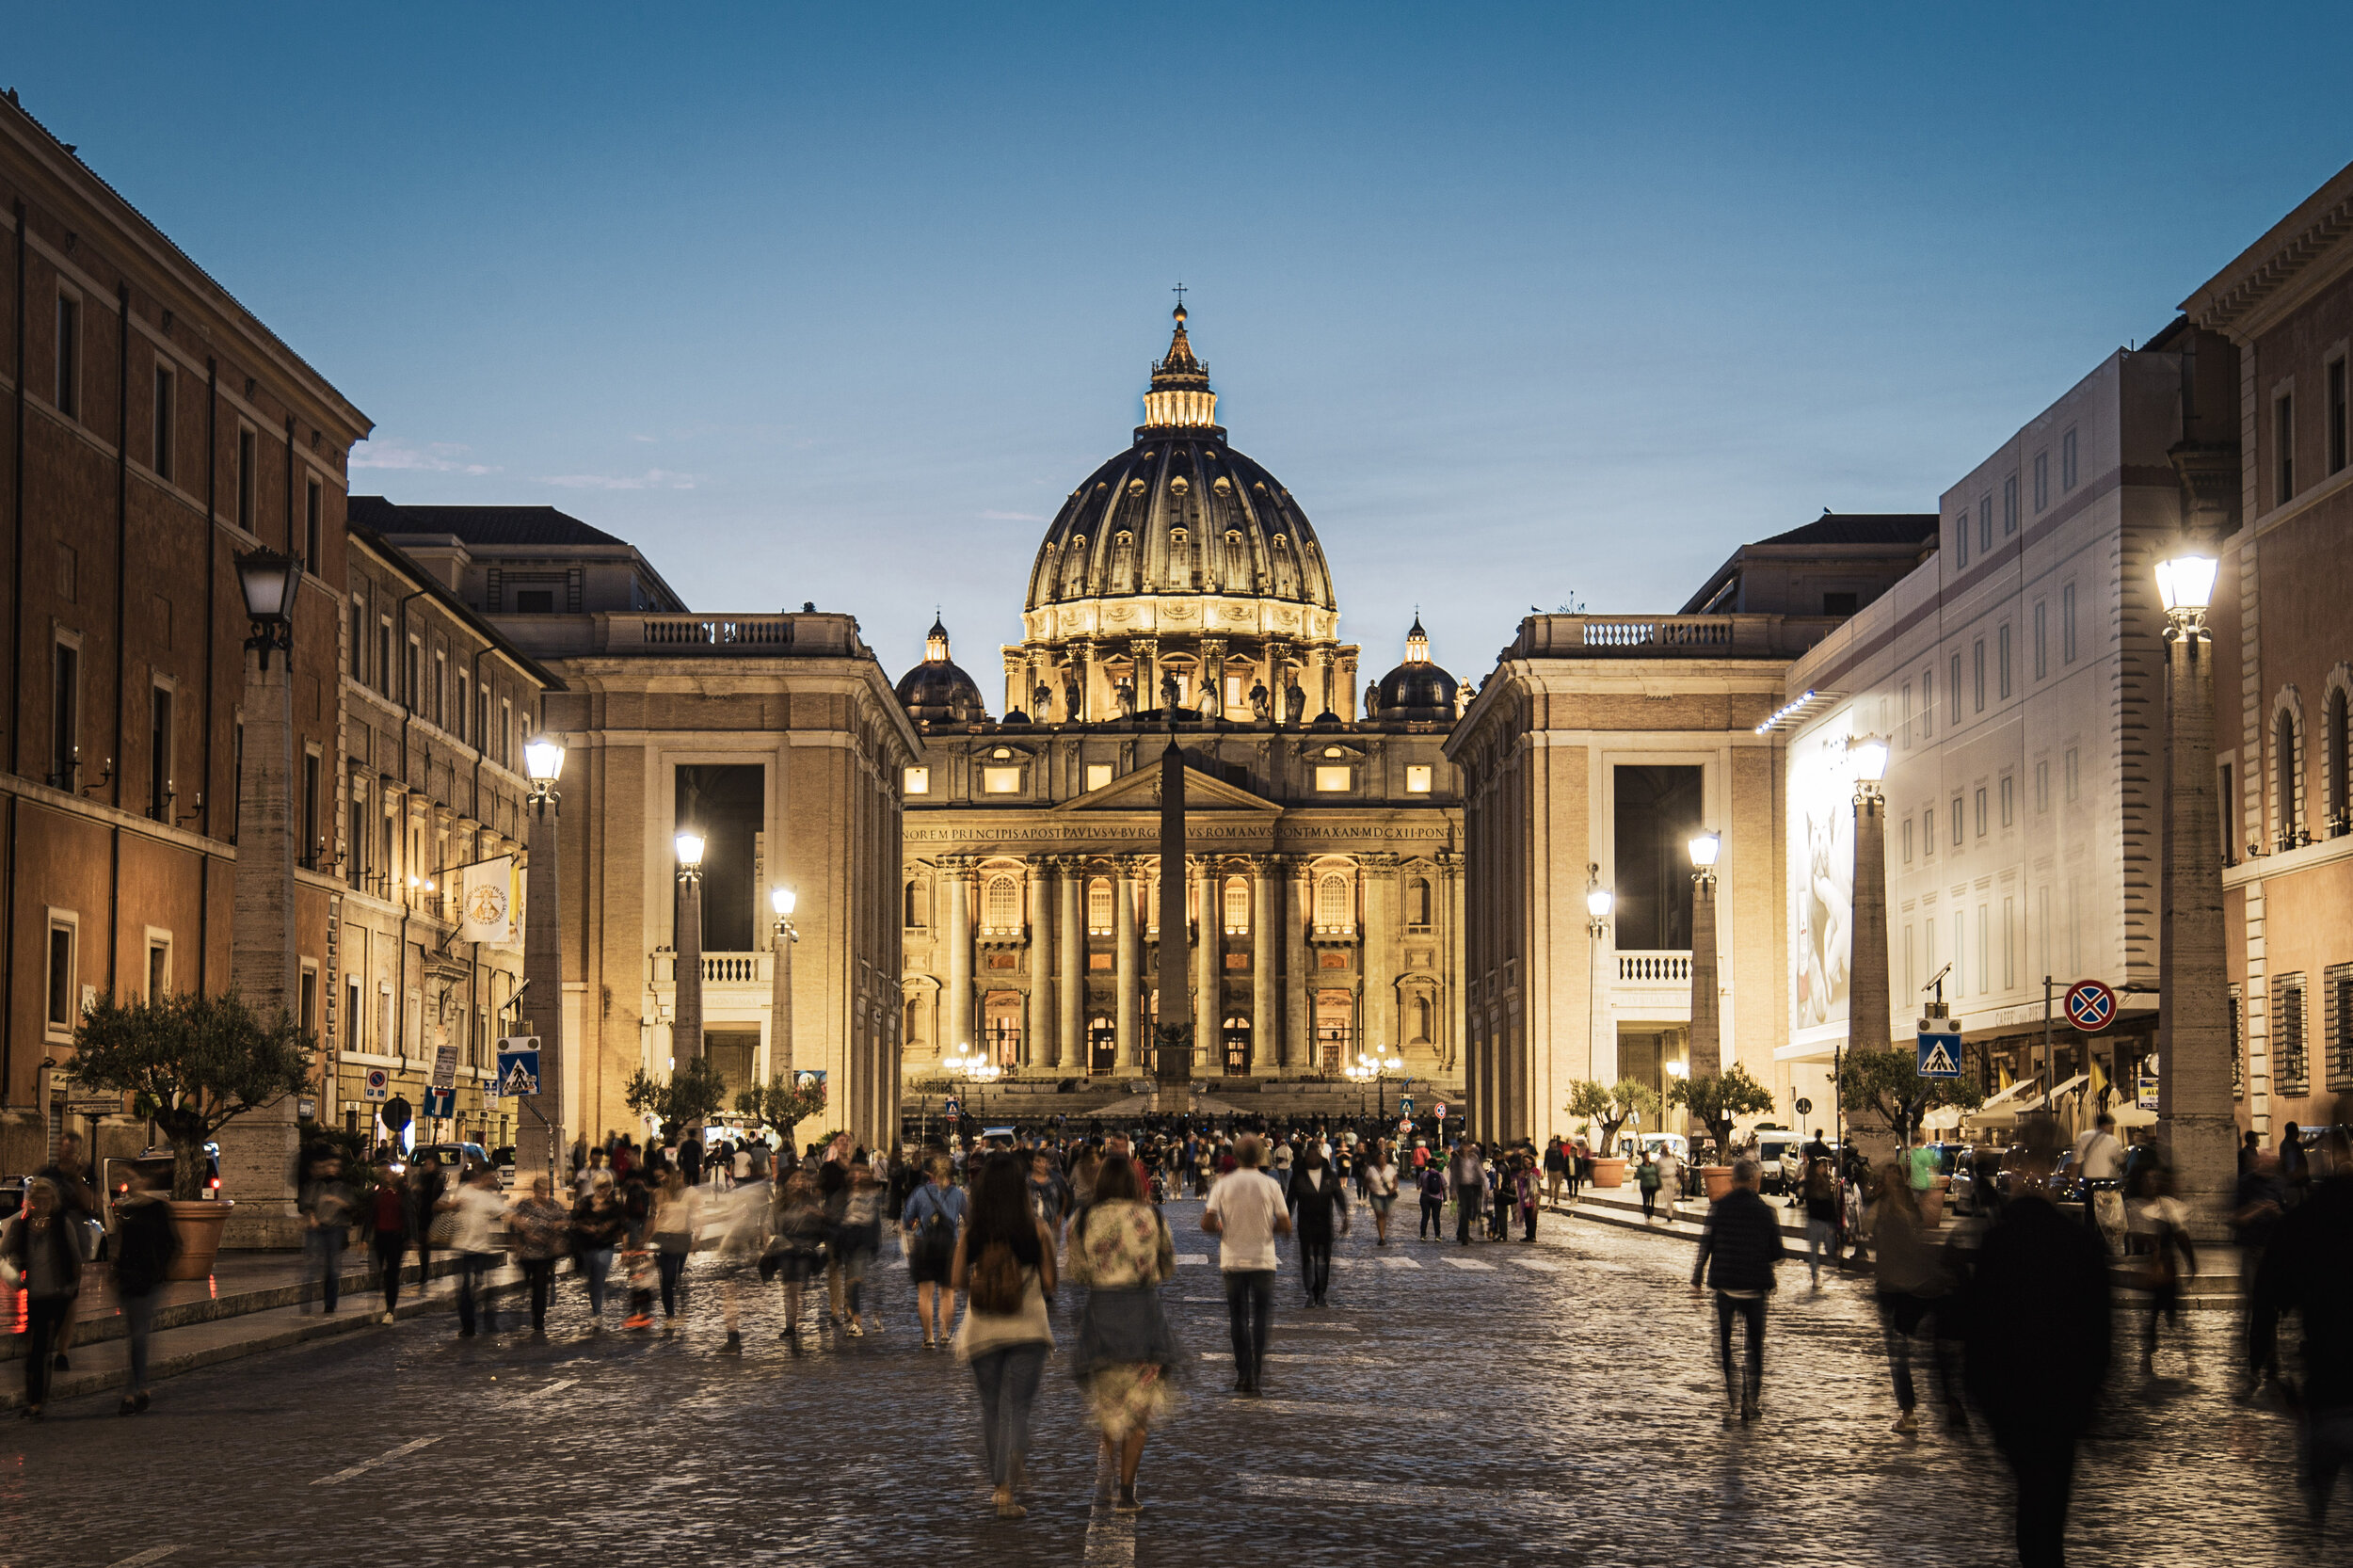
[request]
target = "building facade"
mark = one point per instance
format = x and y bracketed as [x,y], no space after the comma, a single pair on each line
[1181,593]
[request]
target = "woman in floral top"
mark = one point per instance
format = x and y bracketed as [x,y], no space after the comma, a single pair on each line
[1121,1250]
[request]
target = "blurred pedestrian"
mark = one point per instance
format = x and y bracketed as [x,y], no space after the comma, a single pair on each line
[863,1208]
[798,1254]
[477,1210]
[1246,1213]
[1819,1191]
[678,1216]
[431,1213]
[145,1242]
[1525,1190]
[1317,1200]
[2160,1223]
[2038,1321]
[594,1233]
[931,1221]
[540,1227]
[386,1213]
[1670,1180]
[68,1171]
[1648,1178]
[2257,1206]
[1121,1250]
[46,1262]
[1739,1246]
[1431,1185]
[1006,1263]
[2099,1162]
[326,1203]
[2308,1270]
[1380,1174]
[1909,1284]
[1467,1175]
[745,1220]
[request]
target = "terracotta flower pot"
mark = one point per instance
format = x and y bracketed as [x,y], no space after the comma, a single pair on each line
[1717,1180]
[199,1226]
[1608,1173]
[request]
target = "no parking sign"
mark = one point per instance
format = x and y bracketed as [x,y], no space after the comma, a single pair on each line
[2091,1005]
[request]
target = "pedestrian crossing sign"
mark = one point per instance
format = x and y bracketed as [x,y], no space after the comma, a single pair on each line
[1940,1052]
[519,1072]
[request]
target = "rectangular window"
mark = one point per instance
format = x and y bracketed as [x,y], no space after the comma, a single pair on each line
[65,715]
[310,526]
[1907,714]
[158,969]
[1980,799]
[2067,623]
[1332,780]
[1985,952]
[2009,792]
[2041,667]
[2001,659]
[2067,462]
[2336,1003]
[247,475]
[1952,699]
[384,655]
[1098,774]
[1906,840]
[1976,660]
[2041,480]
[356,847]
[1960,820]
[2009,504]
[313,841]
[165,423]
[461,703]
[412,679]
[1417,777]
[2009,944]
[1912,975]
[64,1006]
[1927,831]
[441,685]
[69,357]
[2228,816]
[1000,782]
[1985,523]
[506,731]
[2291,1069]
[2283,447]
[351,1014]
[2068,781]
[2042,784]
[918,781]
[159,736]
[359,639]
[1928,703]
[1961,539]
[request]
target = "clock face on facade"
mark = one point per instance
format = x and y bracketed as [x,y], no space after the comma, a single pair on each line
[486,903]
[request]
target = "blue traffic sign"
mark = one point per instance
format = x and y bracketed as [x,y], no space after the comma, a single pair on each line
[1405,1103]
[440,1102]
[1939,1054]
[2091,1005]
[955,1108]
[519,1072]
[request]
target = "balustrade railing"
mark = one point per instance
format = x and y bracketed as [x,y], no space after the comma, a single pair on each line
[1658,967]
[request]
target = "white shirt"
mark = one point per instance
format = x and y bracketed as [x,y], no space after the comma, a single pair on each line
[1247,1204]
[2099,1156]
[479,1211]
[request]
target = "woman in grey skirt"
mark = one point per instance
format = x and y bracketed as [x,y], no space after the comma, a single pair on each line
[1121,1251]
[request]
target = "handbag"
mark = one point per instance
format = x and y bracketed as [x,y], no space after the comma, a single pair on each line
[444,1231]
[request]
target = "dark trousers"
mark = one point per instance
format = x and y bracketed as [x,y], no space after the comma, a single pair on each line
[1650,1201]
[472,1268]
[326,1247]
[1434,1216]
[1249,1304]
[1902,1317]
[44,1319]
[1527,1217]
[138,1323]
[2044,1464]
[1314,1265]
[673,1267]
[1467,1206]
[540,1271]
[389,1248]
[1750,1311]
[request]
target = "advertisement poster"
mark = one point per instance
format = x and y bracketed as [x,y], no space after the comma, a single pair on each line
[1821,874]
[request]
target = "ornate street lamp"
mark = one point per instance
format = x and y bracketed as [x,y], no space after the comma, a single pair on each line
[1867,1006]
[543,957]
[780,978]
[686,1035]
[1601,1023]
[270,581]
[2193,1033]
[1707,1037]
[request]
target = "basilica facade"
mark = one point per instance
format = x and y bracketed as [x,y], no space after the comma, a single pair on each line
[1182,596]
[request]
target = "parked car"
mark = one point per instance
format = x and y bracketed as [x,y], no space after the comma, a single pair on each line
[453,1157]
[1781,1151]
[504,1158]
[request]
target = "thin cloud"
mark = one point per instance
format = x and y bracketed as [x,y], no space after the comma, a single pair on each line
[652,479]
[434,457]
[1012,517]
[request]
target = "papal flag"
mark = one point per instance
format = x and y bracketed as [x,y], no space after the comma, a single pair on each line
[486,905]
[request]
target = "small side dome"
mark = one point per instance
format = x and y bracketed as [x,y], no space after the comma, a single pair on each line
[936,691]
[1417,691]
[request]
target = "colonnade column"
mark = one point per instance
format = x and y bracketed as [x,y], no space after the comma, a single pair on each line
[1129,957]
[958,1032]
[1450,1050]
[1209,1003]
[1045,1048]
[1378,1031]
[1299,1048]
[1266,1028]
[1070,956]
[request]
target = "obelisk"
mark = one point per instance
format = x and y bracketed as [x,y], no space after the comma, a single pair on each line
[1172,1037]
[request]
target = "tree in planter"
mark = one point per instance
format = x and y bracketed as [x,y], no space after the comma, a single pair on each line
[192,1065]
[782,1104]
[1889,1083]
[1716,1099]
[1611,1106]
[691,1096]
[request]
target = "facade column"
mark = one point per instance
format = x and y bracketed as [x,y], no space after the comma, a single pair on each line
[1457,1039]
[1127,946]
[1377,1027]
[1266,1026]
[1045,1048]
[2193,1038]
[1214,672]
[1145,652]
[1092,702]
[1208,986]
[1070,962]
[1276,652]
[1299,1045]
[957,873]
[257,1149]
[1319,683]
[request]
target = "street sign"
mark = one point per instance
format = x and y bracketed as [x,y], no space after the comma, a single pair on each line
[519,1070]
[1804,1107]
[1940,1048]
[954,1108]
[1405,1104]
[306,1109]
[81,1102]
[440,1102]
[377,1084]
[2091,1005]
[445,1067]
[1440,1110]
[396,1113]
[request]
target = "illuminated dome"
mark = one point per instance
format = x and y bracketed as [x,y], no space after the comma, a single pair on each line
[936,691]
[1417,691]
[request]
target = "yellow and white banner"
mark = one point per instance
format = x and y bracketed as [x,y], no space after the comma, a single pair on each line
[491,903]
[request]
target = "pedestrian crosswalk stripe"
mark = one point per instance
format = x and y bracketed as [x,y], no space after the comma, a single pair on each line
[140,1560]
[1274,1355]
[1540,1265]
[1399,1262]
[1193,1257]
[367,1464]
[1472,1263]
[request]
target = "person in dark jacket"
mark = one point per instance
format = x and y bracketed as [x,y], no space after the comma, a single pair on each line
[2308,1270]
[427,1187]
[2038,1323]
[1739,1246]
[144,1245]
[40,1245]
[1319,1199]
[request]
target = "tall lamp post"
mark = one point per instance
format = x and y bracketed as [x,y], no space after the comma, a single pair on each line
[686,1034]
[975,1068]
[1377,1070]
[1601,1024]
[780,978]
[543,959]
[2193,1032]
[1867,1005]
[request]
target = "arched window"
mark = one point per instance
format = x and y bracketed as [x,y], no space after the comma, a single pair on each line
[1002,909]
[1100,907]
[2340,762]
[913,1035]
[1418,901]
[1423,1018]
[1336,909]
[1236,906]
[2283,749]
[919,904]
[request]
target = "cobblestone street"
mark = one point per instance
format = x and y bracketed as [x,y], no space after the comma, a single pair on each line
[1501,1403]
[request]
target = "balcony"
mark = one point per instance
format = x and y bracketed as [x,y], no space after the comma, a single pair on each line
[1669,636]
[719,969]
[1656,968]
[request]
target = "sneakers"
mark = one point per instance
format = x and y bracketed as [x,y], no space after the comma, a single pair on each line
[1908,1422]
[857,1329]
[388,1318]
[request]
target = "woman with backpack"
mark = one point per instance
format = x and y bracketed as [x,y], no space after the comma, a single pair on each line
[1004,1262]
[932,1216]
[1121,1250]
[798,1252]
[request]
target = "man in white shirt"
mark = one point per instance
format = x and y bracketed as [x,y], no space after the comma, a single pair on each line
[2099,1157]
[1246,1212]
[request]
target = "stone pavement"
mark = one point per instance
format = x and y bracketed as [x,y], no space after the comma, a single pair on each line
[1501,1403]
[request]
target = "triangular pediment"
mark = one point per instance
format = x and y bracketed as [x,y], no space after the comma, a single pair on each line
[1140,790]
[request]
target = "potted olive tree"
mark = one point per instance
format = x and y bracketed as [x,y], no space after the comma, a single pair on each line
[1609,1107]
[191,1064]
[782,1105]
[1714,1101]
[689,1097]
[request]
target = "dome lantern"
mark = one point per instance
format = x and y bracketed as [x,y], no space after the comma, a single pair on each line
[1180,398]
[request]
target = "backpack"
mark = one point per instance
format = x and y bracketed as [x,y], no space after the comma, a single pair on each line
[995,1280]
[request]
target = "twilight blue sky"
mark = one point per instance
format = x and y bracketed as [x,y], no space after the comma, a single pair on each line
[838,302]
